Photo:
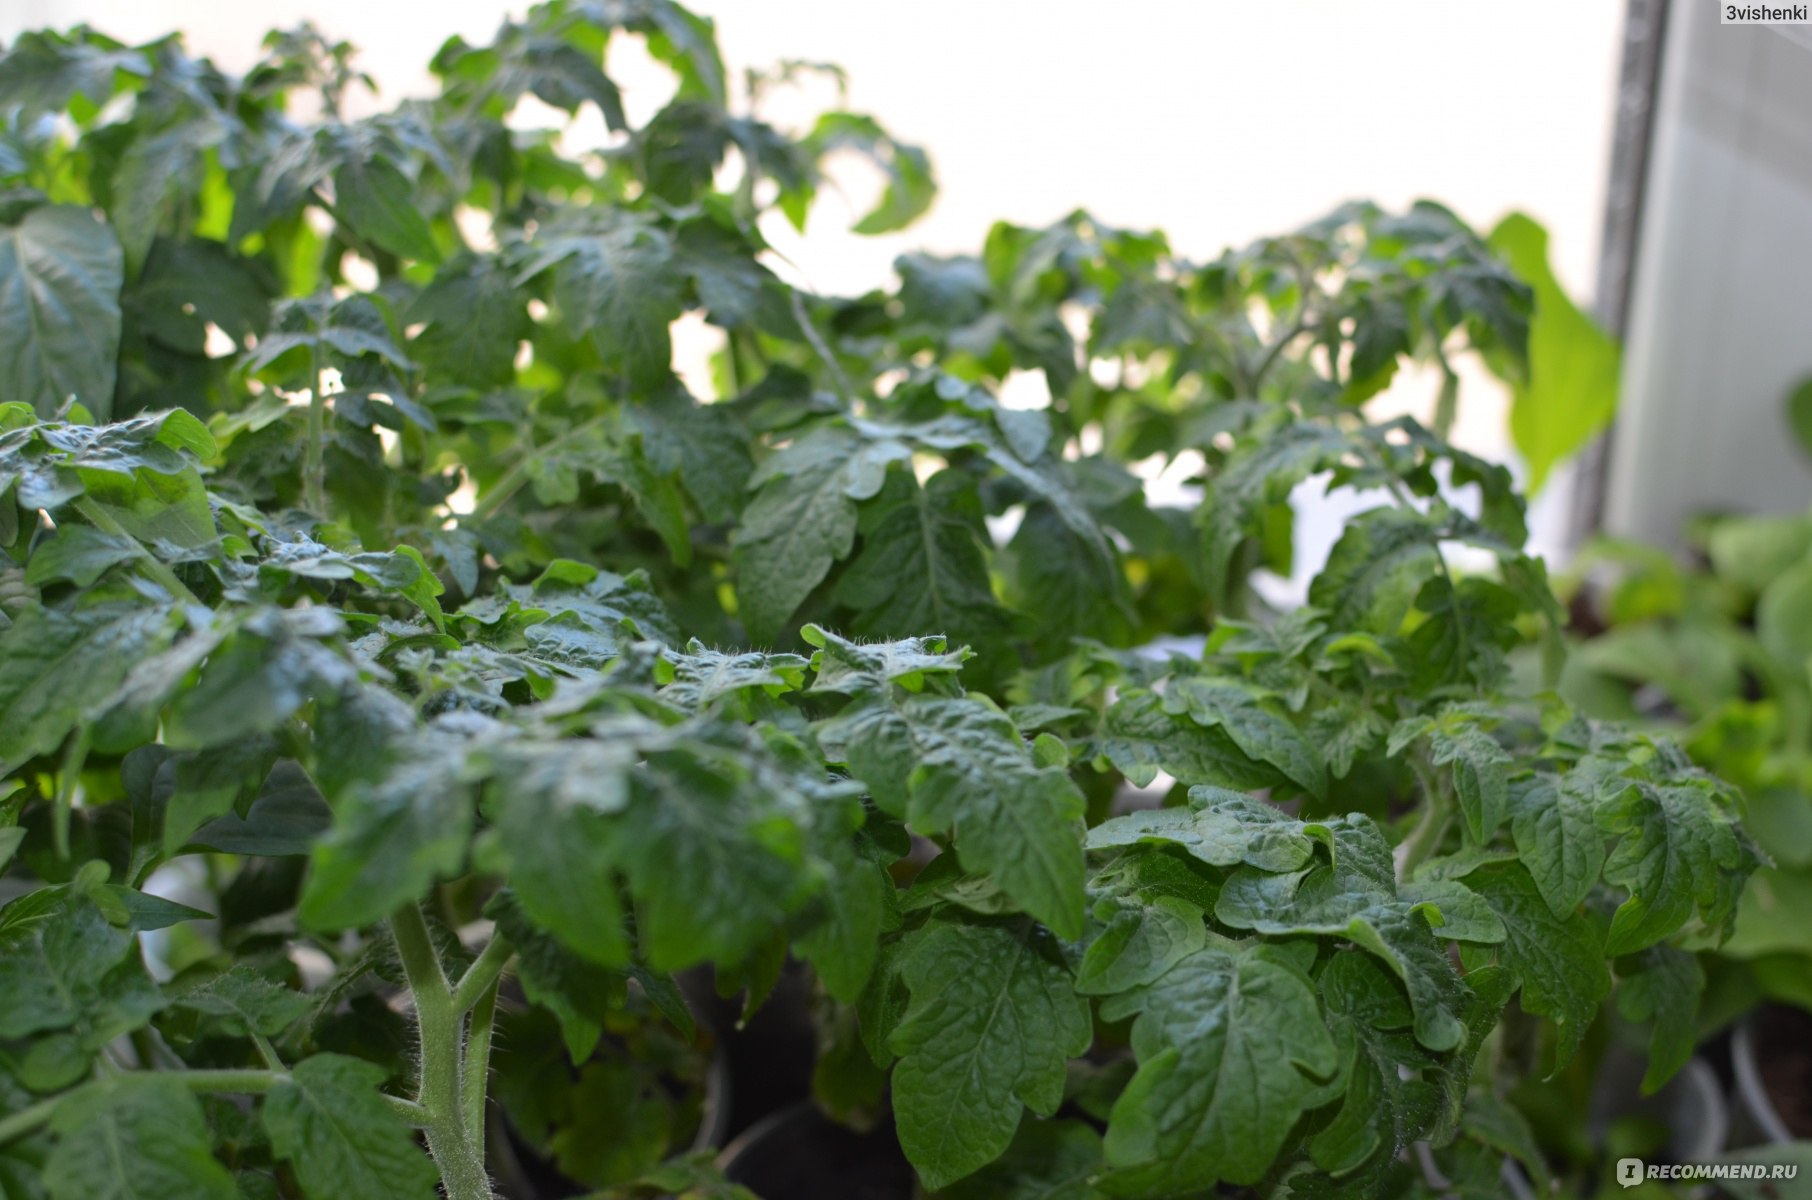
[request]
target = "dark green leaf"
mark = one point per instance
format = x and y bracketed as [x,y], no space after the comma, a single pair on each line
[60,277]
[992,1020]
[329,1122]
[140,1137]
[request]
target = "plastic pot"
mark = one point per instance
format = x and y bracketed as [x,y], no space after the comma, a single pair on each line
[799,1153]
[1692,1106]
[1771,1058]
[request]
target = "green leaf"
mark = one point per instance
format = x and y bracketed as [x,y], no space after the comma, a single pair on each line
[57,668]
[1479,775]
[702,676]
[1262,732]
[1140,943]
[1799,413]
[1555,825]
[1376,568]
[329,1122]
[1382,1108]
[868,668]
[1355,895]
[576,991]
[381,204]
[853,910]
[391,840]
[286,816]
[1571,388]
[695,817]
[78,554]
[276,661]
[241,1004]
[1221,828]
[137,1137]
[60,277]
[802,519]
[612,282]
[45,70]
[1141,737]
[1680,849]
[1048,1160]
[922,565]
[992,1020]
[958,765]
[561,847]
[1231,1047]
[64,966]
[472,320]
[910,187]
[1780,610]
[1559,960]
[1663,990]
[1259,475]
[1494,1121]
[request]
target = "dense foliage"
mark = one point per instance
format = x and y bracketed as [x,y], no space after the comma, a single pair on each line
[369,568]
[1717,653]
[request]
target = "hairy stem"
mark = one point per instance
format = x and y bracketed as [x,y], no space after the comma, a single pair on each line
[459,1157]
[267,1052]
[314,471]
[482,974]
[68,776]
[816,341]
[27,1120]
[511,481]
[1437,814]
[478,1060]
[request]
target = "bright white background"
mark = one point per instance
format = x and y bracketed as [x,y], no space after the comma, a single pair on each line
[1214,120]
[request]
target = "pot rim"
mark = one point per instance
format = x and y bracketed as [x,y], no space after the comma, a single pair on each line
[1749,1087]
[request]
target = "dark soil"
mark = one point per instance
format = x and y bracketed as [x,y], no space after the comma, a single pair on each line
[1784,1054]
[804,1155]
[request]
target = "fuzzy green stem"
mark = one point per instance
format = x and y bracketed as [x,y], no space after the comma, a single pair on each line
[267,1052]
[250,1080]
[482,973]
[511,481]
[408,1110]
[1437,815]
[314,472]
[819,347]
[68,776]
[460,1158]
[478,1059]
[28,1120]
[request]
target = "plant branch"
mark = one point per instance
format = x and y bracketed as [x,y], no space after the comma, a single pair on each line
[250,1080]
[820,348]
[1437,814]
[483,972]
[314,471]
[68,776]
[439,1091]
[267,1052]
[28,1120]
[408,1110]
[511,481]
[478,1059]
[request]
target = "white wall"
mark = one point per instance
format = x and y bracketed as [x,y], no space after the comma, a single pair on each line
[1721,314]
